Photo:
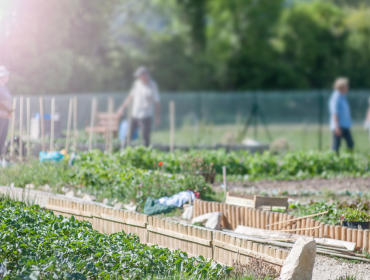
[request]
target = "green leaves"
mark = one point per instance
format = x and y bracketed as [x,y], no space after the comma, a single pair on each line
[46,252]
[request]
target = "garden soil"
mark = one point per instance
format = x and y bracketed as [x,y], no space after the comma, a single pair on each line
[334,185]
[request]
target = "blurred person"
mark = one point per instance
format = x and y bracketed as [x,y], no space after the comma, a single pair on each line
[340,115]
[6,107]
[145,98]
[367,119]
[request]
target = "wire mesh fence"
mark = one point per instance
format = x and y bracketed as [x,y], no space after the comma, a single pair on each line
[301,117]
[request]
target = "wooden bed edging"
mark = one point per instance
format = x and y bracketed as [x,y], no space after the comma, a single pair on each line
[224,248]
[244,216]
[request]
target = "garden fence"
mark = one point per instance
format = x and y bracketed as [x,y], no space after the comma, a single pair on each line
[223,248]
[244,216]
[208,118]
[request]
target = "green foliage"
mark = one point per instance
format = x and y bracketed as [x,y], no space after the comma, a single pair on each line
[126,181]
[337,212]
[355,215]
[134,173]
[190,44]
[266,166]
[39,245]
[332,218]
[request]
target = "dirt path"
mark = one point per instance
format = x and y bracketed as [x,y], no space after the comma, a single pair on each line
[336,185]
[327,268]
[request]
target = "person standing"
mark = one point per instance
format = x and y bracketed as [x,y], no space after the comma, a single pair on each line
[367,119]
[340,115]
[145,98]
[6,107]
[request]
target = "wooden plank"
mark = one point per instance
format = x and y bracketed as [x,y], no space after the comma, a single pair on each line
[268,234]
[271,201]
[239,201]
[300,218]
[68,211]
[179,235]
[119,220]
[249,253]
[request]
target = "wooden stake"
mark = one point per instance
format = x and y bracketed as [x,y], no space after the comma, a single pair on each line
[69,122]
[172,125]
[332,232]
[349,235]
[20,148]
[365,243]
[300,218]
[28,127]
[344,234]
[360,237]
[12,128]
[354,235]
[52,119]
[42,125]
[75,130]
[110,124]
[224,175]
[338,232]
[92,122]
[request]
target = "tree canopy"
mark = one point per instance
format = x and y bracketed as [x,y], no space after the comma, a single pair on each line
[189,45]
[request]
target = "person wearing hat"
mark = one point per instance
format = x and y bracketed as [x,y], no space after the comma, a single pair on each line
[146,104]
[5,106]
[340,115]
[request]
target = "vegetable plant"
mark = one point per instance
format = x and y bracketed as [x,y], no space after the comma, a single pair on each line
[37,244]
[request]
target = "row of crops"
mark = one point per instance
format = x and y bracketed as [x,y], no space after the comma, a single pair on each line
[134,174]
[36,244]
[290,166]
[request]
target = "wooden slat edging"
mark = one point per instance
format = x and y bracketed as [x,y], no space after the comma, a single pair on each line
[69,211]
[247,252]
[299,218]
[179,235]
[119,220]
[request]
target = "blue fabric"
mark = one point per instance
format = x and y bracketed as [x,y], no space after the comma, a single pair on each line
[123,130]
[338,104]
[52,156]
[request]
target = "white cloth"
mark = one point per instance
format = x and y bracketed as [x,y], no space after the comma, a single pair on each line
[145,96]
[178,199]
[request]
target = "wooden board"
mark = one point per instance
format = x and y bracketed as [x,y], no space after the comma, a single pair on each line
[179,235]
[268,234]
[248,252]
[255,201]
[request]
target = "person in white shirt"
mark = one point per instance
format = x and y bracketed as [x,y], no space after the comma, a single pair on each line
[146,102]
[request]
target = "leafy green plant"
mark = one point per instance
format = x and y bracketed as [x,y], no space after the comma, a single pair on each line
[355,215]
[36,244]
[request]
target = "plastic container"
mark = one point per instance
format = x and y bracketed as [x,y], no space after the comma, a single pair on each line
[349,224]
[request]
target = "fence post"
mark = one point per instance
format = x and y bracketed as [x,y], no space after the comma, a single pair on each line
[28,126]
[52,124]
[70,111]
[42,124]
[12,128]
[20,148]
[92,123]
[321,117]
[172,125]
[224,175]
[75,131]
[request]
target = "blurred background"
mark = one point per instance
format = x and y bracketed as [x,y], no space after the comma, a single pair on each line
[216,59]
